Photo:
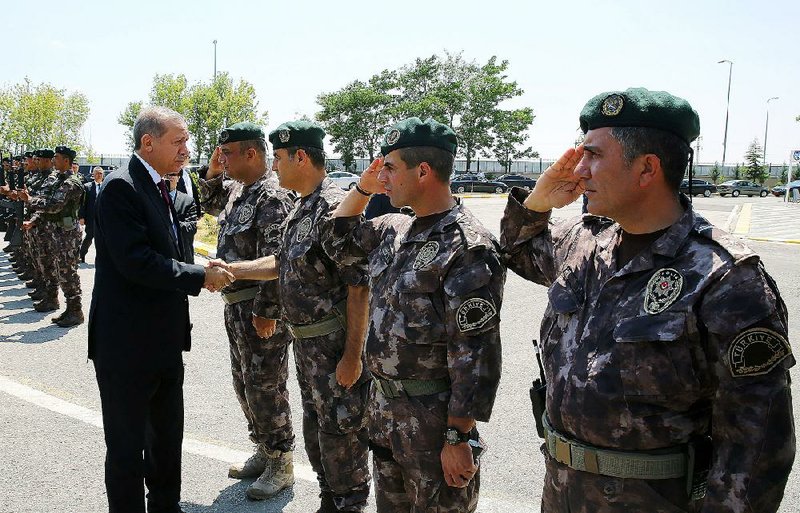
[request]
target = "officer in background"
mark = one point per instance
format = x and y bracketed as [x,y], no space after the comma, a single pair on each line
[251,210]
[325,308]
[434,337]
[57,211]
[86,213]
[664,340]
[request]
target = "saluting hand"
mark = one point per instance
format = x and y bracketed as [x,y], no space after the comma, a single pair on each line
[369,178]
[558,185]
[215,168]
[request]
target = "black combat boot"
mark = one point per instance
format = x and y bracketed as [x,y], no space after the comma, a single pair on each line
[327,505]
[38,294]
[49,302]
[33,284]
[73,315]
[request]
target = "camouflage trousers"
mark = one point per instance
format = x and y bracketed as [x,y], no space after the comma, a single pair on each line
[567,490]
[407,437]
[60,256]
[334,421]
[35,254]
[260,368]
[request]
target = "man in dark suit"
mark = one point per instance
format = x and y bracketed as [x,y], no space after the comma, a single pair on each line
[86,213]
[187,210]
[188,183]
[139,318]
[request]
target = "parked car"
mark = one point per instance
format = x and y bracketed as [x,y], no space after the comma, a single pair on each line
[344,179]
[780,190]
[85,170]
[737,187]
[698,187]
[518,181]
[471,185]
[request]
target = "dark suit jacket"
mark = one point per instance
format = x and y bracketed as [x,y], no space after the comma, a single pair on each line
[86,211]
[139,316]
[187,219]
[181,187]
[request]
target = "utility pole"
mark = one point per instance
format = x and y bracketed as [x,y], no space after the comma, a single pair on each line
[766,129]
[215,62]
[727,111]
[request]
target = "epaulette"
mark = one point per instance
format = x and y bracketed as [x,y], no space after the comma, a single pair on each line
[472,235]
[734,246]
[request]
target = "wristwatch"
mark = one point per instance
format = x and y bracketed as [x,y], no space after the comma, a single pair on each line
[454,437]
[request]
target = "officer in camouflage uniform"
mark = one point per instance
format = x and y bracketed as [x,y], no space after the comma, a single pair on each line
[664,341]
[325,307]
[57,212]
[251,209]
[434,340]
[42,178]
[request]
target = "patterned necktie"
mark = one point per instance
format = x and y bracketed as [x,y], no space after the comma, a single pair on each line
[162,185]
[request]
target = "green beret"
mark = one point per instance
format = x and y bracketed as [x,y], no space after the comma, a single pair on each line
[297,133]
[638,107]
[45,154]
[244,131]
[415,132]
[7,160]
[28,154]
[69,152]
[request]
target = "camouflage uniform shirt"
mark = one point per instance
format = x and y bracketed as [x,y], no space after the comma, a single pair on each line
[250,226]
[435,303]
[687,337]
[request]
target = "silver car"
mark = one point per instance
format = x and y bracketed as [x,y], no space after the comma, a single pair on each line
[738,187]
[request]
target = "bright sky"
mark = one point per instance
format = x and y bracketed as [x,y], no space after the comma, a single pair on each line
[561,54]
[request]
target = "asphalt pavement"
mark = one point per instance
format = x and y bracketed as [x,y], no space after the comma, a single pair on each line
[52,440]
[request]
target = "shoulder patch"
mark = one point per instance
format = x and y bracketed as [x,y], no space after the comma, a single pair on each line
[756,351]
[303,229]
[246,213]
[474,313]
[273,232]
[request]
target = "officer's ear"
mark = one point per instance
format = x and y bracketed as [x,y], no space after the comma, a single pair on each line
[425,171]
[649,168]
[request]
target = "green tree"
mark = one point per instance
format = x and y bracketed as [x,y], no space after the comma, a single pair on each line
[356,115]
[207,107]
[715,173]
[754,169]
[510,134]
[737,172]
[36,116]
[784,172]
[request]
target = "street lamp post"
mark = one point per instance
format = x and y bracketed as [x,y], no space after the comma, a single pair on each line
[727,112]
[215,61]
[766,129]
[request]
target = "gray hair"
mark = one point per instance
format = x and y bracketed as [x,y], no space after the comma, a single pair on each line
[153,121]
[98,168]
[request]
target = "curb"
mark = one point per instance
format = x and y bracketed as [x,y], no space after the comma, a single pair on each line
[481,195]
[768,239]
[206,250]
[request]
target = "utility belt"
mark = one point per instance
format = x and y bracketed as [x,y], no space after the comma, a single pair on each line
[394,388]
[231,298]
[67,223]
[691,461]
[331,323]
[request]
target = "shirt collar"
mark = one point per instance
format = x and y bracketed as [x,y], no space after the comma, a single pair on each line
[153,173]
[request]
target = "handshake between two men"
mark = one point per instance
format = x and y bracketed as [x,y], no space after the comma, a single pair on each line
[220,274]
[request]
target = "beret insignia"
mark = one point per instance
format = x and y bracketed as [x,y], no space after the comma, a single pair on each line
[392,136]
[283,135]
[246,213]
[612,105]
[303,229]
[224,136]
[474,313]
[426,255]
[662,290]
[756,351]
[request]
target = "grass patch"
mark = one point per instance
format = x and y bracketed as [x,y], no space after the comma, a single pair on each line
[207,230]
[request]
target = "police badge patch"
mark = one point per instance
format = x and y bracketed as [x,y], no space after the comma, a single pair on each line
[393,136]
[474,313]
[283,135]
[246,213]
[303,229]
[662,290]
[273,232]
[426,255]
[612,105]
[756,351]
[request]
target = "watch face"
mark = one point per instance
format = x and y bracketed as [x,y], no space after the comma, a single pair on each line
[454,437]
